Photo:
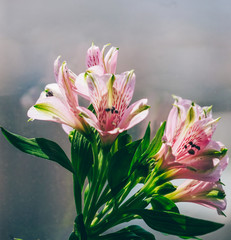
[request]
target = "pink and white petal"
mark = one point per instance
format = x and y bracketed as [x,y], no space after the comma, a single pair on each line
[187,172]
[93,57]
[67,129]
[72,77]
[67,86]
[171,124]
[199,134]
[176,118]
[81,86]
[186,104]
[54,90]
[90,118]
[108,138]
[137,112]
[219,204]
[111,60]
[217,171]
[201,162]
[57,67]
[97,88]
[124,85]
[98,70]
[224,160]
[52,109]
[214,145]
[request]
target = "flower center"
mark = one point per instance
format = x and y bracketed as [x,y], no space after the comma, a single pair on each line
[192,151]
[110,116]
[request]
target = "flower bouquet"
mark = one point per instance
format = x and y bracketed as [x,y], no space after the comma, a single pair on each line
[116,179]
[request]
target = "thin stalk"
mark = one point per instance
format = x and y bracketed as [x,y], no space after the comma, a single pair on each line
[77,195]
[76,185]
[92,185]
[104,197]
[100,182]
[115,218]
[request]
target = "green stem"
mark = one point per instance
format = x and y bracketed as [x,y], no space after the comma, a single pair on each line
[92,184]
[76,185]
[104,197]
[114,218]
[100,183]
[77,195]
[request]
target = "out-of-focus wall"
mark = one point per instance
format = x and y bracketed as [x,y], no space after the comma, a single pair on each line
[176,47]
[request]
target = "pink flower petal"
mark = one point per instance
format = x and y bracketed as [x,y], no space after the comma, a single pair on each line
[67,87]
[111,60]
[97,88]
[124,87]
[52,106]
[90,118]
[56,68]
[81,86]
[137,112]
[51,109]
[199,192]
[195,139]
[93,57]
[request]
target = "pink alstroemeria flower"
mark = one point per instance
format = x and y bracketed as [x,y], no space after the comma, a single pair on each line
[208,194]
[98,63]
[189,150]
[110,95]
[59,102]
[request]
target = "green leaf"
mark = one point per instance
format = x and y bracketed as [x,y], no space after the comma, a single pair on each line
[129,233]
[91,108]
[81,155]
[123,139]
[165,188]
[176,224]
[119,165]
[139,151]
[146,138]
[145,151]
[139,231]
[73,237]
[156,143]
[79,228]
[163,204]
[39,147]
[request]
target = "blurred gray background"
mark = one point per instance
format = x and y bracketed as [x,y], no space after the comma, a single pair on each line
[176,47]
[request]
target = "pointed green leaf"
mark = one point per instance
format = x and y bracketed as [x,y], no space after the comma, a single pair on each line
[123,139]
[81,155]
[162,203]
[156,143]
[129,233]
[119,165]
[140,150]
[176,224]
[79,227]
[146,138]
[165,188]
[39,147]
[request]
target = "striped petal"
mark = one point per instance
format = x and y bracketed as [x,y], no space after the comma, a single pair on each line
[209,194]
[136,113]
[110,60]
[195,139]
[51,108]
[93,57]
